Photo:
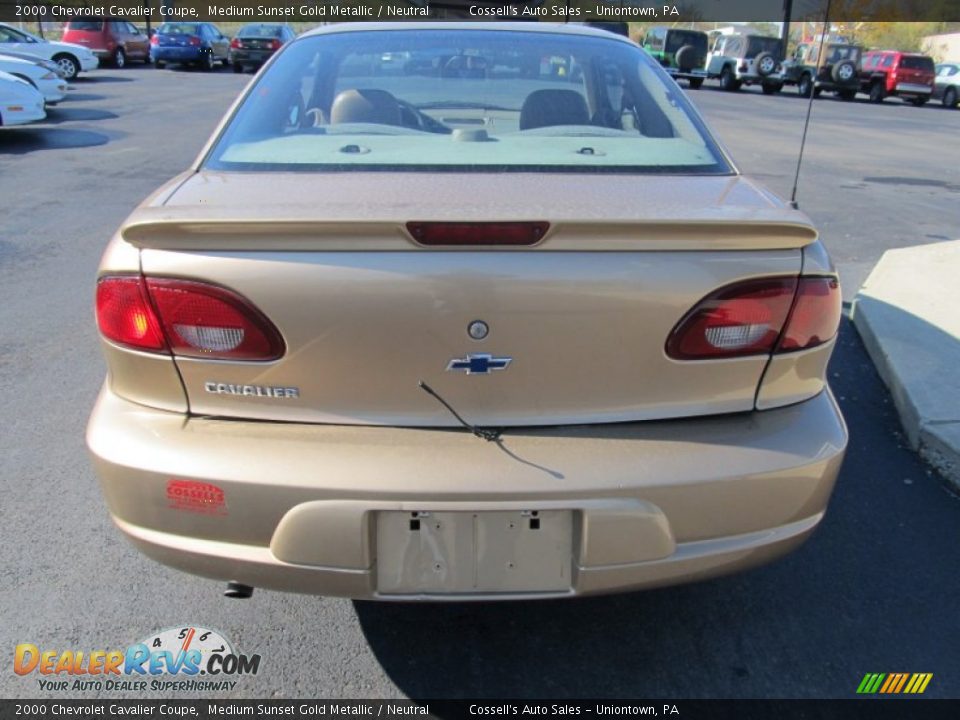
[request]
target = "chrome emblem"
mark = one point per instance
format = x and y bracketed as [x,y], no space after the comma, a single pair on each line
[478,330]
[478,364]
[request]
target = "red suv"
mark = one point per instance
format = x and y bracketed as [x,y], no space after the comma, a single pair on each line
[891,72]
[111,40]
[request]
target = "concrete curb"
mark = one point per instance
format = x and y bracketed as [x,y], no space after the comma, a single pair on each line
[908,315]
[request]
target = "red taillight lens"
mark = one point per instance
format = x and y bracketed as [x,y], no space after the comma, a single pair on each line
[125,316]
[741,319]
[815,317]
[189,318]
[749,318]
[155,40]
[275,44]
[236,43]
[492,233]
[206,321]
[194,40]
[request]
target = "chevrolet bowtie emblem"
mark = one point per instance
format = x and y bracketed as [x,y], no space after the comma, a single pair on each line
[478,364]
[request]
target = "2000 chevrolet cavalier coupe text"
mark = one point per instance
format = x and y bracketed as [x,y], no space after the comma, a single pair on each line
[465,311]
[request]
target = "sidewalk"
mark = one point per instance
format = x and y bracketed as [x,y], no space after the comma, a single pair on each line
[908,314]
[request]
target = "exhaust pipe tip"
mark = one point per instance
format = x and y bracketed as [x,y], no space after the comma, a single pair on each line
[238,591]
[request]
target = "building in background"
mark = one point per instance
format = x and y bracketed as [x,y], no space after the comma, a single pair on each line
[942,48]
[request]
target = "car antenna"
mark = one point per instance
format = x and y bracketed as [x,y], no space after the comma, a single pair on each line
[488,434]
[806,122]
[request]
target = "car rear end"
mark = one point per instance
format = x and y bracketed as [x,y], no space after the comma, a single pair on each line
[177,42]
[94,34]
[761,60]
[684,54]
[20,102]
[913,77]
[255,44]
[574,383]
[48,82]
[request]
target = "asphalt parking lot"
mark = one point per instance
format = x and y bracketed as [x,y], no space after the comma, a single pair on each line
[875,590]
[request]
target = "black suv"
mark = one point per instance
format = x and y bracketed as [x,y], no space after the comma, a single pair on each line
[837,71]
[683,53]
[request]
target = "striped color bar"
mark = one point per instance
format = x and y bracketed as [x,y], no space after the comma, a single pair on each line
[894,683]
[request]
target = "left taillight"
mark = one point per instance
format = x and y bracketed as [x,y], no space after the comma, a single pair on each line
[125,316]
[185,317]
[236,43]
[275,44]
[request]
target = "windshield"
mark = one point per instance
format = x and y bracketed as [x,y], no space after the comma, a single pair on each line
[179,28]
[260,31]
[86,25]
[466,100]
[12,35]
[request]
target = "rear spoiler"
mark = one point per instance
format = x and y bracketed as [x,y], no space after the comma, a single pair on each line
[255,233]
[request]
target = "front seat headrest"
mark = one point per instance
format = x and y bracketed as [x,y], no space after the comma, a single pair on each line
[546,108]
[365,106]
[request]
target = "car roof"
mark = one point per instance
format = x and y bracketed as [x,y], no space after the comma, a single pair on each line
[526,27]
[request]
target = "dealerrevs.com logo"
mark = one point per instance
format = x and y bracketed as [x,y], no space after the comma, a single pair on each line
[174,659]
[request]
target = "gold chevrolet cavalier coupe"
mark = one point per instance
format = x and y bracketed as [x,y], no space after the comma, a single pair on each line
[465,311]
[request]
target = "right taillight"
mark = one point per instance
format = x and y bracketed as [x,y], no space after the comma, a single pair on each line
[236,43]
[185,317]
[759,317]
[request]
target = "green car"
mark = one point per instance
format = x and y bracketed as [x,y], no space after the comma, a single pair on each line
[683,53]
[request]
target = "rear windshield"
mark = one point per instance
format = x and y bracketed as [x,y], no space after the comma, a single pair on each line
[676,39]
[179,29]
[466,100]
[86,25]
[260,31]
[916,63]
[757,45]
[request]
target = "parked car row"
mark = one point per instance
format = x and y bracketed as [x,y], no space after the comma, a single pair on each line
[846,70]
[34,72]
[197,44]
[71,58]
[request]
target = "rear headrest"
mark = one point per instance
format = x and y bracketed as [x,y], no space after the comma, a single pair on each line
[545,108]
[365,106]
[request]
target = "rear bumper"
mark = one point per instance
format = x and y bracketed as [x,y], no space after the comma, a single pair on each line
[653,503]
[250,56]
[686,74]
[177,54]
[914,89]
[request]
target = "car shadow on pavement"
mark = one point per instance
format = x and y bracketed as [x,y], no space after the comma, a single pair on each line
[59,114]
[804,626]
[97,78]
[84,97]
[19,141]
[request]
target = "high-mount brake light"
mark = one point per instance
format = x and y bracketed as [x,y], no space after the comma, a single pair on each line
[187,318]
[759,317]
[477,233]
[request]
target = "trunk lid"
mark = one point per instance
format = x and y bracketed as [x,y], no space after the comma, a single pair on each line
[366,313]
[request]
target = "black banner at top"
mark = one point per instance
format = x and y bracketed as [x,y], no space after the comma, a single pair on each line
[640,11]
